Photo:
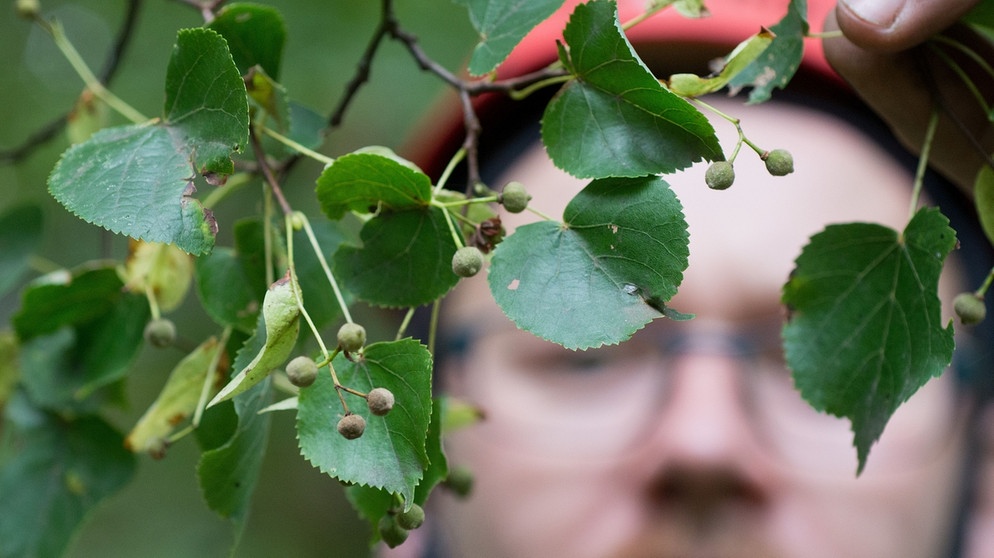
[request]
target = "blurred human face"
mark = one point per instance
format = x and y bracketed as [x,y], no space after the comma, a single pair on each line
[688,441]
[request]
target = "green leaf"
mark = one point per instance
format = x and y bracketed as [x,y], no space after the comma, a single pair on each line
[20,232]
[981,17]
[692,85]
[373,503]
[865,329]
[206,103]
[138,180]
[602,275]
[405,259]
[321,302]
[501,25]
[391,453]
[66,366]
[60,471]
[983,195]
[280,323]
[614,118]
[270,96]
[224,289]
[228,475]
[778,63]
[365,182]
[176,402]
[255,35]
[66,298]
[81,331]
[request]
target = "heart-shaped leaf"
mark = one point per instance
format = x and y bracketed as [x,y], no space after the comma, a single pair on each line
[604,273]
[365,182]
[501,25]
[865,329]
[615,118]
[391,454]
[138,180]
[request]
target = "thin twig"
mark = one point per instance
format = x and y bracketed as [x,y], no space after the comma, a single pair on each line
[361,76]
[47,131]
[267,173]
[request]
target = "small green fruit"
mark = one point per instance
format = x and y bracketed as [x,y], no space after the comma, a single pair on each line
[160,332]
[779,162]
[467,261]
[28,9]
[460,481]
[970,308]
[351,426]
[351,337]
[392,534]
[720,175]
[514,197]
[380,401]
[412,518]
[302,371]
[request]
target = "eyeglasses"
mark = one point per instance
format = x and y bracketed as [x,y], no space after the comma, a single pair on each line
[600,403]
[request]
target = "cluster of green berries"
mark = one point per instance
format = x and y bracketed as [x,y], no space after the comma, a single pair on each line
[380,401]
[396,525]
[721,174]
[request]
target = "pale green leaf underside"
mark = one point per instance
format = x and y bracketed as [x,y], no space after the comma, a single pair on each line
[865,330]
[279,323]
[137,180]
[501,25]
[602,276]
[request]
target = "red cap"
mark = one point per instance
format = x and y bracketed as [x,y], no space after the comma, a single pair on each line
[729,23]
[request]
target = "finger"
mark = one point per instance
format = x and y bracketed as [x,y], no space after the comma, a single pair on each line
[903,89]
[894,25]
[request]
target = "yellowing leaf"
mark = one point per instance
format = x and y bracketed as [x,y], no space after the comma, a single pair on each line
[691,85]
[281,319]
[163,269]
[177,400]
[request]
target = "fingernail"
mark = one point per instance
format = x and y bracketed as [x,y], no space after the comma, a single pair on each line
[880,13]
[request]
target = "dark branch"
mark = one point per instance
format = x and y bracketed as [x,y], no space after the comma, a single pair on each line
[361,76]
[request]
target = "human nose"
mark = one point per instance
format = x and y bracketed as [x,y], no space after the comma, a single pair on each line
[704,419]
[704,451]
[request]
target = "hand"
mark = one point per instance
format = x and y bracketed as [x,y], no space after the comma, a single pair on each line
[879,56]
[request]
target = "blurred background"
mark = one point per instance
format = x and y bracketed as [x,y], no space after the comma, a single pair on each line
[297,511]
